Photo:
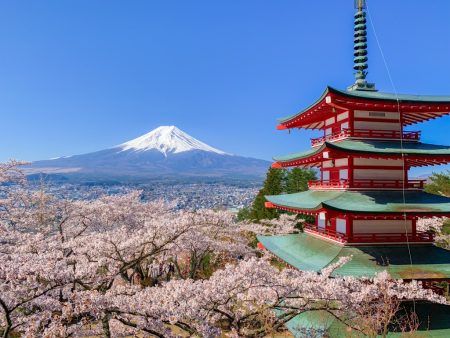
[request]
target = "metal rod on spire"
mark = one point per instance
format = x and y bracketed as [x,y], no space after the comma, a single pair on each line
[360,5]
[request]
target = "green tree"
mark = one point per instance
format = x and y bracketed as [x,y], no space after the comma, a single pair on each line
[297,179]
[273,185]
[440,184]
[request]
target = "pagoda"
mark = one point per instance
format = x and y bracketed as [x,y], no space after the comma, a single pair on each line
[365,204]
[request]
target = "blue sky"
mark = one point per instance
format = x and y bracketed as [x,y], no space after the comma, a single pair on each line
[81,75]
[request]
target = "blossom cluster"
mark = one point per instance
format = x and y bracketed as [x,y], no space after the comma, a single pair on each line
[118,266]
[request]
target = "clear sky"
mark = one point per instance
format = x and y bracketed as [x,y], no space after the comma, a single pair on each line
[82,75]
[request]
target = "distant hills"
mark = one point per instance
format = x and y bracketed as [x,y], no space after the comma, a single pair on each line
[164,153]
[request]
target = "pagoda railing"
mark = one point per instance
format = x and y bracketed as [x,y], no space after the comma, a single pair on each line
[345,133]
[389,184]
[367,133]
[329,233]
[332,184]
[366,184]
[421,237]
[392,237]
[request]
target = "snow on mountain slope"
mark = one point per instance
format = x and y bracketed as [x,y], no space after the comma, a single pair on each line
[166,152]
[167,140]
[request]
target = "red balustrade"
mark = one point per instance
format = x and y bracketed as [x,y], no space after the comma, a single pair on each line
[338,184]
[329,233]
[389,184]
[419,237]
[332,137]
[366,133]
[392,237]
[386,134]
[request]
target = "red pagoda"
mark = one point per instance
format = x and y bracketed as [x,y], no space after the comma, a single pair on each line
[365,205]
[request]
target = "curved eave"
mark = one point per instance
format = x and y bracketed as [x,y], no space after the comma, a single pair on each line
[309,253]
[295,121]
[362,202]
[414,150]
[415,108]
[418,154]
[325,207]
[389,97]
[312,157]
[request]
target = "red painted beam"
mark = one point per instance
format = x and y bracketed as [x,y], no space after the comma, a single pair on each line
[269,205]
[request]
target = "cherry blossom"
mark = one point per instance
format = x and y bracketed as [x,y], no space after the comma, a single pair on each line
[118,266]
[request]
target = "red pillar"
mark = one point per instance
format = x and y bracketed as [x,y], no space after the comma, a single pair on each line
[349,227]
[414,227]
[350,171]
[351,120]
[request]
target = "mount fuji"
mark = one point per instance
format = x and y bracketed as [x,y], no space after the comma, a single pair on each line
[164,153]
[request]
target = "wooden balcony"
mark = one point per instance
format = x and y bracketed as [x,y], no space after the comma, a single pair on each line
[388,184]
[367,134]
[419,237]
[328,185]
[365,184]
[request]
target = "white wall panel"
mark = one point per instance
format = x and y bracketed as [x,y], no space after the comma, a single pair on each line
[341,162]
[376,162]
[381,226]
[377,125]
[329,121]
[381,174]
[342,116]
[377,115]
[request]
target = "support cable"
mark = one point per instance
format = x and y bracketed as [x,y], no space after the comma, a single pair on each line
[401,139]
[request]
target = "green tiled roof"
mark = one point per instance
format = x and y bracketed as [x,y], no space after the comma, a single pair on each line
[391,147]
[373,95]
[373,147]
[434,321]
[309,253]
[364,201]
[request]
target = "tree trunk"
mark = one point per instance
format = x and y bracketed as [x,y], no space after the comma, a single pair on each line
[105,325]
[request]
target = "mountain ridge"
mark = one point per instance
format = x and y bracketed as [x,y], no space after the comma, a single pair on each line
[166,151]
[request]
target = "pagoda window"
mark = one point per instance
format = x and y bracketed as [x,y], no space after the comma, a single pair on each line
[343,174]
[325,175]
[328,131]
[321,220]
[344,126]
[341,225]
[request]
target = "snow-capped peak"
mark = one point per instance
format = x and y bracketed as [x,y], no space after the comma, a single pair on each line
[167,139]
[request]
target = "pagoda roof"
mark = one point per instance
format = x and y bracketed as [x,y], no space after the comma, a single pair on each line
[416,108]
[391,201]
[433,319]
[376,95]
[309,253]
[380,148]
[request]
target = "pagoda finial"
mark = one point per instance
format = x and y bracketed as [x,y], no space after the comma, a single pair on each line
[360,49]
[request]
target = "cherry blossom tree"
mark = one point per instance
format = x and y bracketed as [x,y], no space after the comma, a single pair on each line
[436,226]
[118,266]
